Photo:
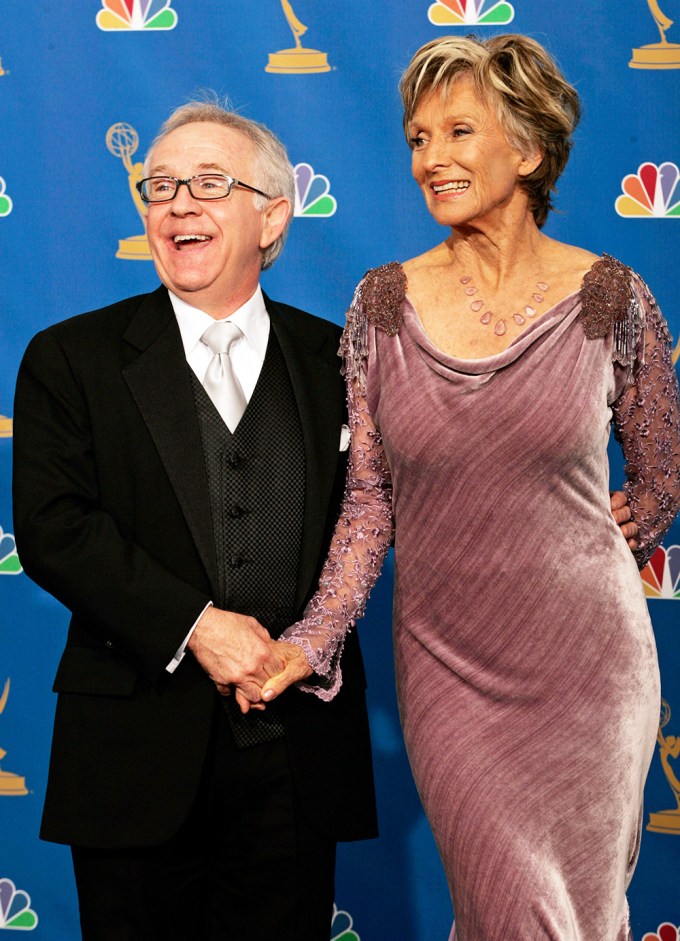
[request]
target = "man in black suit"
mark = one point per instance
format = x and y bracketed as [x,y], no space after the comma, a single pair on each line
[184,536]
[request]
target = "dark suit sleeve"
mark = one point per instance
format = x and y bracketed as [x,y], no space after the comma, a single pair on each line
[67,542]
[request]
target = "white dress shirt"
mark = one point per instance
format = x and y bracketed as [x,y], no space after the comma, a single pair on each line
[247,354]
[247,357]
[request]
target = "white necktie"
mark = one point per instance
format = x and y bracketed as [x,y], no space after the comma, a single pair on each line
[220,382]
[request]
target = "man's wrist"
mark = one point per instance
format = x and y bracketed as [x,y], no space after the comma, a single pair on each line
[182,649]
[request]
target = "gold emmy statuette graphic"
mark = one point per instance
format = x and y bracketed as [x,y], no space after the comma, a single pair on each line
[657,55]
[2,71]
[667,821]
[676,353]
[122,141]
[5,427]
[297,60]
[11,785]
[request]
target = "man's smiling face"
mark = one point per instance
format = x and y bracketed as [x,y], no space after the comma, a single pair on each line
[208,252]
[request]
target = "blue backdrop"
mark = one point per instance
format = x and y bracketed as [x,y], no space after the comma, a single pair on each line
[71,72]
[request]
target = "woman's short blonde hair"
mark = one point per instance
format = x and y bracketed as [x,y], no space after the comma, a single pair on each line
[536,106]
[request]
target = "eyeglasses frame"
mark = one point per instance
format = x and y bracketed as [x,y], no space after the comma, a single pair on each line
[231,180]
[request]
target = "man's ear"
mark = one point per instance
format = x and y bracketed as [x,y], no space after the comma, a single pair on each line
[275,217]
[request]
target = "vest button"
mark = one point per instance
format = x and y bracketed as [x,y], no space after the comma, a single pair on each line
[234,459]
[236,561]
[236,511]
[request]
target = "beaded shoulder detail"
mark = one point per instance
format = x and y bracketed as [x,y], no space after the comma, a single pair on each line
[609,300]
[606,294]
[382,293]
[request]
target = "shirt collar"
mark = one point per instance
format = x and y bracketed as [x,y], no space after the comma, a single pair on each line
[251,317]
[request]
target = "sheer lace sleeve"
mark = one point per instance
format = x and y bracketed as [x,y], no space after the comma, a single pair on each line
[362,534]
[647,422]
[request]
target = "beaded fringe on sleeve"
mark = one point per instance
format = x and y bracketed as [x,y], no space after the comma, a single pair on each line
[363,532]
[646,414]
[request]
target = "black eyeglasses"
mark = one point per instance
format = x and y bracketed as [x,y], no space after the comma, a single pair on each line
[162,189]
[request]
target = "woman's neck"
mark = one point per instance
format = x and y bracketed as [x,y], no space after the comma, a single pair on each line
[495,255]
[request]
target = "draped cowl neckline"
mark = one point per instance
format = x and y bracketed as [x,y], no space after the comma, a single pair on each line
[550,326]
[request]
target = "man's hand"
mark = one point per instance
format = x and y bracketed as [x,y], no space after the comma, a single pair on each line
[295,668]
[235,651]
[622,516]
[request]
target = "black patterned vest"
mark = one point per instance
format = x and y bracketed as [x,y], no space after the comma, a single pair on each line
[256,480]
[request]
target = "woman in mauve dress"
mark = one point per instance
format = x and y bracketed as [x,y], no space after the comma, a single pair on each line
[483,378]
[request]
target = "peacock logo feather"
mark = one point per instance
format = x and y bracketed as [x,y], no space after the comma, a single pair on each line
[15,908]
[661,575]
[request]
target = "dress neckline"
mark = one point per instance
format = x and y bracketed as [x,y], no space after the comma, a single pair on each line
[559,316]
[478,365]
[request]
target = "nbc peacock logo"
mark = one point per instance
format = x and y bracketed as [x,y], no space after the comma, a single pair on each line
[651,193]
[665,932]
[9,560]
[313,199]
[470,13]
[15,908]
[661,575]
[342,926]
[136,15]
[5,201]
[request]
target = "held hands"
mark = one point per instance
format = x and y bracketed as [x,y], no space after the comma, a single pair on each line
[294,668]
[623,517]
[238,654]
[235,651]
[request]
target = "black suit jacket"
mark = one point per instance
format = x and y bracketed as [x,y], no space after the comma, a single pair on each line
[112,517]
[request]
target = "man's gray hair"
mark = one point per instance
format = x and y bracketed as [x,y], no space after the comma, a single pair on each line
[273,170]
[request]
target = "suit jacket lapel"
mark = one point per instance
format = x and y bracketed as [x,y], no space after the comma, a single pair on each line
[158,379]
[315,385]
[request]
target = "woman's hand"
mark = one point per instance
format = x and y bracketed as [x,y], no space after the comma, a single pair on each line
[623,517]
[295,668]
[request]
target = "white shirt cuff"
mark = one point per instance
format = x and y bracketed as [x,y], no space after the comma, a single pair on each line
[179,655]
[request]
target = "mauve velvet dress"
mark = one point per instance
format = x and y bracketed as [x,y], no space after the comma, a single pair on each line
[526,666]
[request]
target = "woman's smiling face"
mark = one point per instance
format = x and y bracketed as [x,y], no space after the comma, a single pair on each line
[461,159]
